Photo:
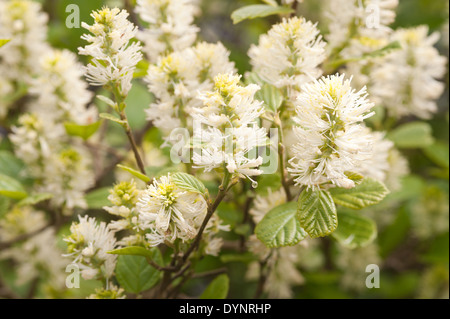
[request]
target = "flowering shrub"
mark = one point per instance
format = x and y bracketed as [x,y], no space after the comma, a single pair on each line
[277,157]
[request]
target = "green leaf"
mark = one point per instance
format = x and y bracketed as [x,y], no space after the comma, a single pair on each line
[383,51]
[135,173]
[35,199]
[134,251]
[271,96]
[317,213]
[368,192]
[412,135]
[134,273]
[9,164]
[279,227]
[3,42]
[355,230]
[438,153]
[188,182]
[83,131]
[258,11]
[355,177]
[11,188]
[217,289]
[110,117]
[98,198]
[4,205]
[273,3]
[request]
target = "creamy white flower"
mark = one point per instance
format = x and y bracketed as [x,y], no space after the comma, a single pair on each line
[67,175]
[61,93]
[169,28]
[168,213]
[37,257]
[354,23]
[406,80]
[25,25]
[34,139]
[124,197]
[176,80]
[331,139]
[377,166]
[114,55]
[386,164]
[99,239]
[289,55]
[213,243]
[226,132]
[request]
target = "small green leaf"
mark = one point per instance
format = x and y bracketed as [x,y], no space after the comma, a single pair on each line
[438,153]
[135,173]
[83,131]
[134,273]
[134,251]
[98,198]
[217,289]
[110,117]
[317,213]
[271,96]
[355,177]
[279,227]
[189,183]
[383,51]
[355,230]
[258,11]
[11,188]
[369,192]
[254,78]
[3,42]
[273,3]
[374,54]
[412,135]
[35,199]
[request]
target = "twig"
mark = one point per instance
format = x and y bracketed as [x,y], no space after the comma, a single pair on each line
[133,144]
[210,273]
[264,273]
[211,209]
[8,244]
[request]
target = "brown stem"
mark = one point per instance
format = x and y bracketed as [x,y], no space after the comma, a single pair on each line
[211,209]
[133,144]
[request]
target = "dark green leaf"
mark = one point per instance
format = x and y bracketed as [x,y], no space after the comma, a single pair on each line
[280,227]
[258,11]
[134,273]
[217,289]
[368,192]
